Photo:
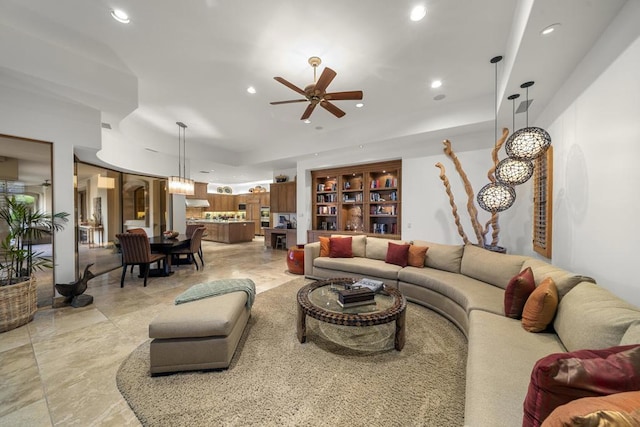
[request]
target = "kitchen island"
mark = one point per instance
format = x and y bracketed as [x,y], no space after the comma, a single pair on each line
[226,231]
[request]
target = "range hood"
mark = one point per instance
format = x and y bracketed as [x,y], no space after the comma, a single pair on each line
[196,203]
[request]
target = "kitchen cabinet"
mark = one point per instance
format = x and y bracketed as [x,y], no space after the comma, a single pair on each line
[222,203]
[227,231]
[283,197]
[200,191]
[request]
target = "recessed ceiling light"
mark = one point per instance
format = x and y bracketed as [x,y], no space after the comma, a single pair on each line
[550,29]
[418,12]
[120,16]
[359,105]
[307,121]
[361,146]
[436,84]
[251,89]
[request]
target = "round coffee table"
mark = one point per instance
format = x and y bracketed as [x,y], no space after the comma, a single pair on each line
[320,301]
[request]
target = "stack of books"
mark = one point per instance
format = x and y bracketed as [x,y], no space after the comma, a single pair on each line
[355,297]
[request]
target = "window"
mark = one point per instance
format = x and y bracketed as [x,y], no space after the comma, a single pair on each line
[542,203]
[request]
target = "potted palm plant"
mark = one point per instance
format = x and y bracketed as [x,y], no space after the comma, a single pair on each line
[23,225]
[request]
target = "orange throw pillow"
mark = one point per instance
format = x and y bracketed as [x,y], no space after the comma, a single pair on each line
[540,307]
[417,254]
[324,246]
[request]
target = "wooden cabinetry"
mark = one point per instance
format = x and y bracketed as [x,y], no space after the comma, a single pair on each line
[222,203]
[199,191]
[283,197]
[360,199]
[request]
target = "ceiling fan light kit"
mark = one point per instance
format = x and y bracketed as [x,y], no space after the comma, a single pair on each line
[316,92]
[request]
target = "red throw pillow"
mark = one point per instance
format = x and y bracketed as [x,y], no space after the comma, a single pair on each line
[324,246]
[397,254]
[417,254]
[340,247]
[517,292]
[562,377]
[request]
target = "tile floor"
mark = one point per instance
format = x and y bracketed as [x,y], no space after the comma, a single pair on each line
[60,368]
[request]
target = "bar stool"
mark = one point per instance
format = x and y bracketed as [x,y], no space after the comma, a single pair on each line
[281,241]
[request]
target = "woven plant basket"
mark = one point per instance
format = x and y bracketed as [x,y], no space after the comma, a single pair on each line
[18,304]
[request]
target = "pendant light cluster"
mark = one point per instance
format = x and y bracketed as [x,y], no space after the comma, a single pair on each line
[522,147]
[496,196]
[181,184]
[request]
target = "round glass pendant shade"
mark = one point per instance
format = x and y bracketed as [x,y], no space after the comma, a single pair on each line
[496,197]
[527,143]
[514,172]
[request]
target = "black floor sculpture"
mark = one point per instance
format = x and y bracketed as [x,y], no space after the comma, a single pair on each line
[74,290]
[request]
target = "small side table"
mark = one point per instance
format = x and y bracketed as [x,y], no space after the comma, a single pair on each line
[295,259]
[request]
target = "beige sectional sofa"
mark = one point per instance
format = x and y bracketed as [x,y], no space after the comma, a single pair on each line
[466,285]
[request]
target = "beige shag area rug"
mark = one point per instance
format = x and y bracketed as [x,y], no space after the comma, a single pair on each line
[340,376]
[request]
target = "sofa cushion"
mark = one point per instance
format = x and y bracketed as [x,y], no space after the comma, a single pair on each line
[442,257]
[562,377]
[564,280]
[632,334]
[377,248]
[362,267]
[500,357]
[397,254]
[324,246]
[340,247]
[540,307]
[517,293]
[469,293]
[358,243]
[491,267]
[417,255]
[590,316]
[619,409]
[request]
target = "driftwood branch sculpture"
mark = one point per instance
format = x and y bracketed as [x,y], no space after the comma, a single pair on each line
[471,206]
[481,233]
[454,208]
[495,226]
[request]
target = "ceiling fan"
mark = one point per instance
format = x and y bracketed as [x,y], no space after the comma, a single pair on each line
[316,92]
[46,183]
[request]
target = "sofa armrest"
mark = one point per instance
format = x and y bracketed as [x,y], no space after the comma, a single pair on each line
[311,252]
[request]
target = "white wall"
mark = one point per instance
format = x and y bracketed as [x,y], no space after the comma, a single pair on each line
[29,115]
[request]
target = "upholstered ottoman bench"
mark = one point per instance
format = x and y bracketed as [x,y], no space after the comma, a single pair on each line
[203,329]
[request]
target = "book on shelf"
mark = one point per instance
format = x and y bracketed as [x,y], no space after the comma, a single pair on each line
[357,303]
[372,284]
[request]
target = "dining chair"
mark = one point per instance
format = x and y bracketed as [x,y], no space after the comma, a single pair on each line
[136,250]
[136,231]
[189,232]
[192,249]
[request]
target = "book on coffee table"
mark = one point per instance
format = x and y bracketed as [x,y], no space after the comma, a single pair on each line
[356,303]
[372,284]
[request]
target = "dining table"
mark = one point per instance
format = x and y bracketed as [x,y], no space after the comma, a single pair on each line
[164,245]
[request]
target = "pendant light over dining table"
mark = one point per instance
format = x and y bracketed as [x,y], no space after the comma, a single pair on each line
[181,184]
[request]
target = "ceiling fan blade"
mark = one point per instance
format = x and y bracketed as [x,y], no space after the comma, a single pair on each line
[288,102]
[308,112]
[290,85]
[341,96]
[325,78]
[332,109]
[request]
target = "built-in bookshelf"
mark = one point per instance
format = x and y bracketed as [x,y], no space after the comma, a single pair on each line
[362,199]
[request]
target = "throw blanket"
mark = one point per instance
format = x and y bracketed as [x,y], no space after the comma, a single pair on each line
[218,287]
